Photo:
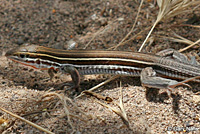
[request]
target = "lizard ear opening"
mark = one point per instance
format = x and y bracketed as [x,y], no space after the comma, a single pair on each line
[10,52]
[15,51]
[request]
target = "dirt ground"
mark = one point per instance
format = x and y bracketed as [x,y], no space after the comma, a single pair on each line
[92,24]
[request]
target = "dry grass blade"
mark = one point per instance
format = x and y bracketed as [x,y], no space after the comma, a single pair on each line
[97,33]
[115,47]
[186,25]
[121,112]
[132,38]
[181,50]
[63,101]
[182,39]
[121,106]
[168,9]
[99,85]
[118,112]
[179,39]
[103,30]
[28,122]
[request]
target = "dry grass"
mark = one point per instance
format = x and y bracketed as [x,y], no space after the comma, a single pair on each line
[27,121]
[181,39]
[120,111]
[122,41]
[63,99]
[193,44]
[168,9]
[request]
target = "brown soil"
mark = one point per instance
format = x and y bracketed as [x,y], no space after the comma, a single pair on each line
[105,23]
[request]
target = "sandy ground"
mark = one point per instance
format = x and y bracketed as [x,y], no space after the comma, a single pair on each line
[102,24]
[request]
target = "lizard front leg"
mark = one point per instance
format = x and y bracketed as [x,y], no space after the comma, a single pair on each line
[74,75]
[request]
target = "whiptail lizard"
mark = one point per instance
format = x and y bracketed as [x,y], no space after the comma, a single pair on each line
[155,71]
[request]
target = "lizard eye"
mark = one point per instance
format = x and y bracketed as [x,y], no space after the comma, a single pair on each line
[21,55]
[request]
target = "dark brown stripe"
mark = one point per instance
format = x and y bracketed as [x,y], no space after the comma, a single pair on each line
[89,62]
[96,54]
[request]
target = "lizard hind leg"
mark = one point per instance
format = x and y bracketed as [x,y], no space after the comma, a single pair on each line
[149,79]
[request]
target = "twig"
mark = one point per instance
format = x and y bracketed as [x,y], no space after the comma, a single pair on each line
[98,96]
